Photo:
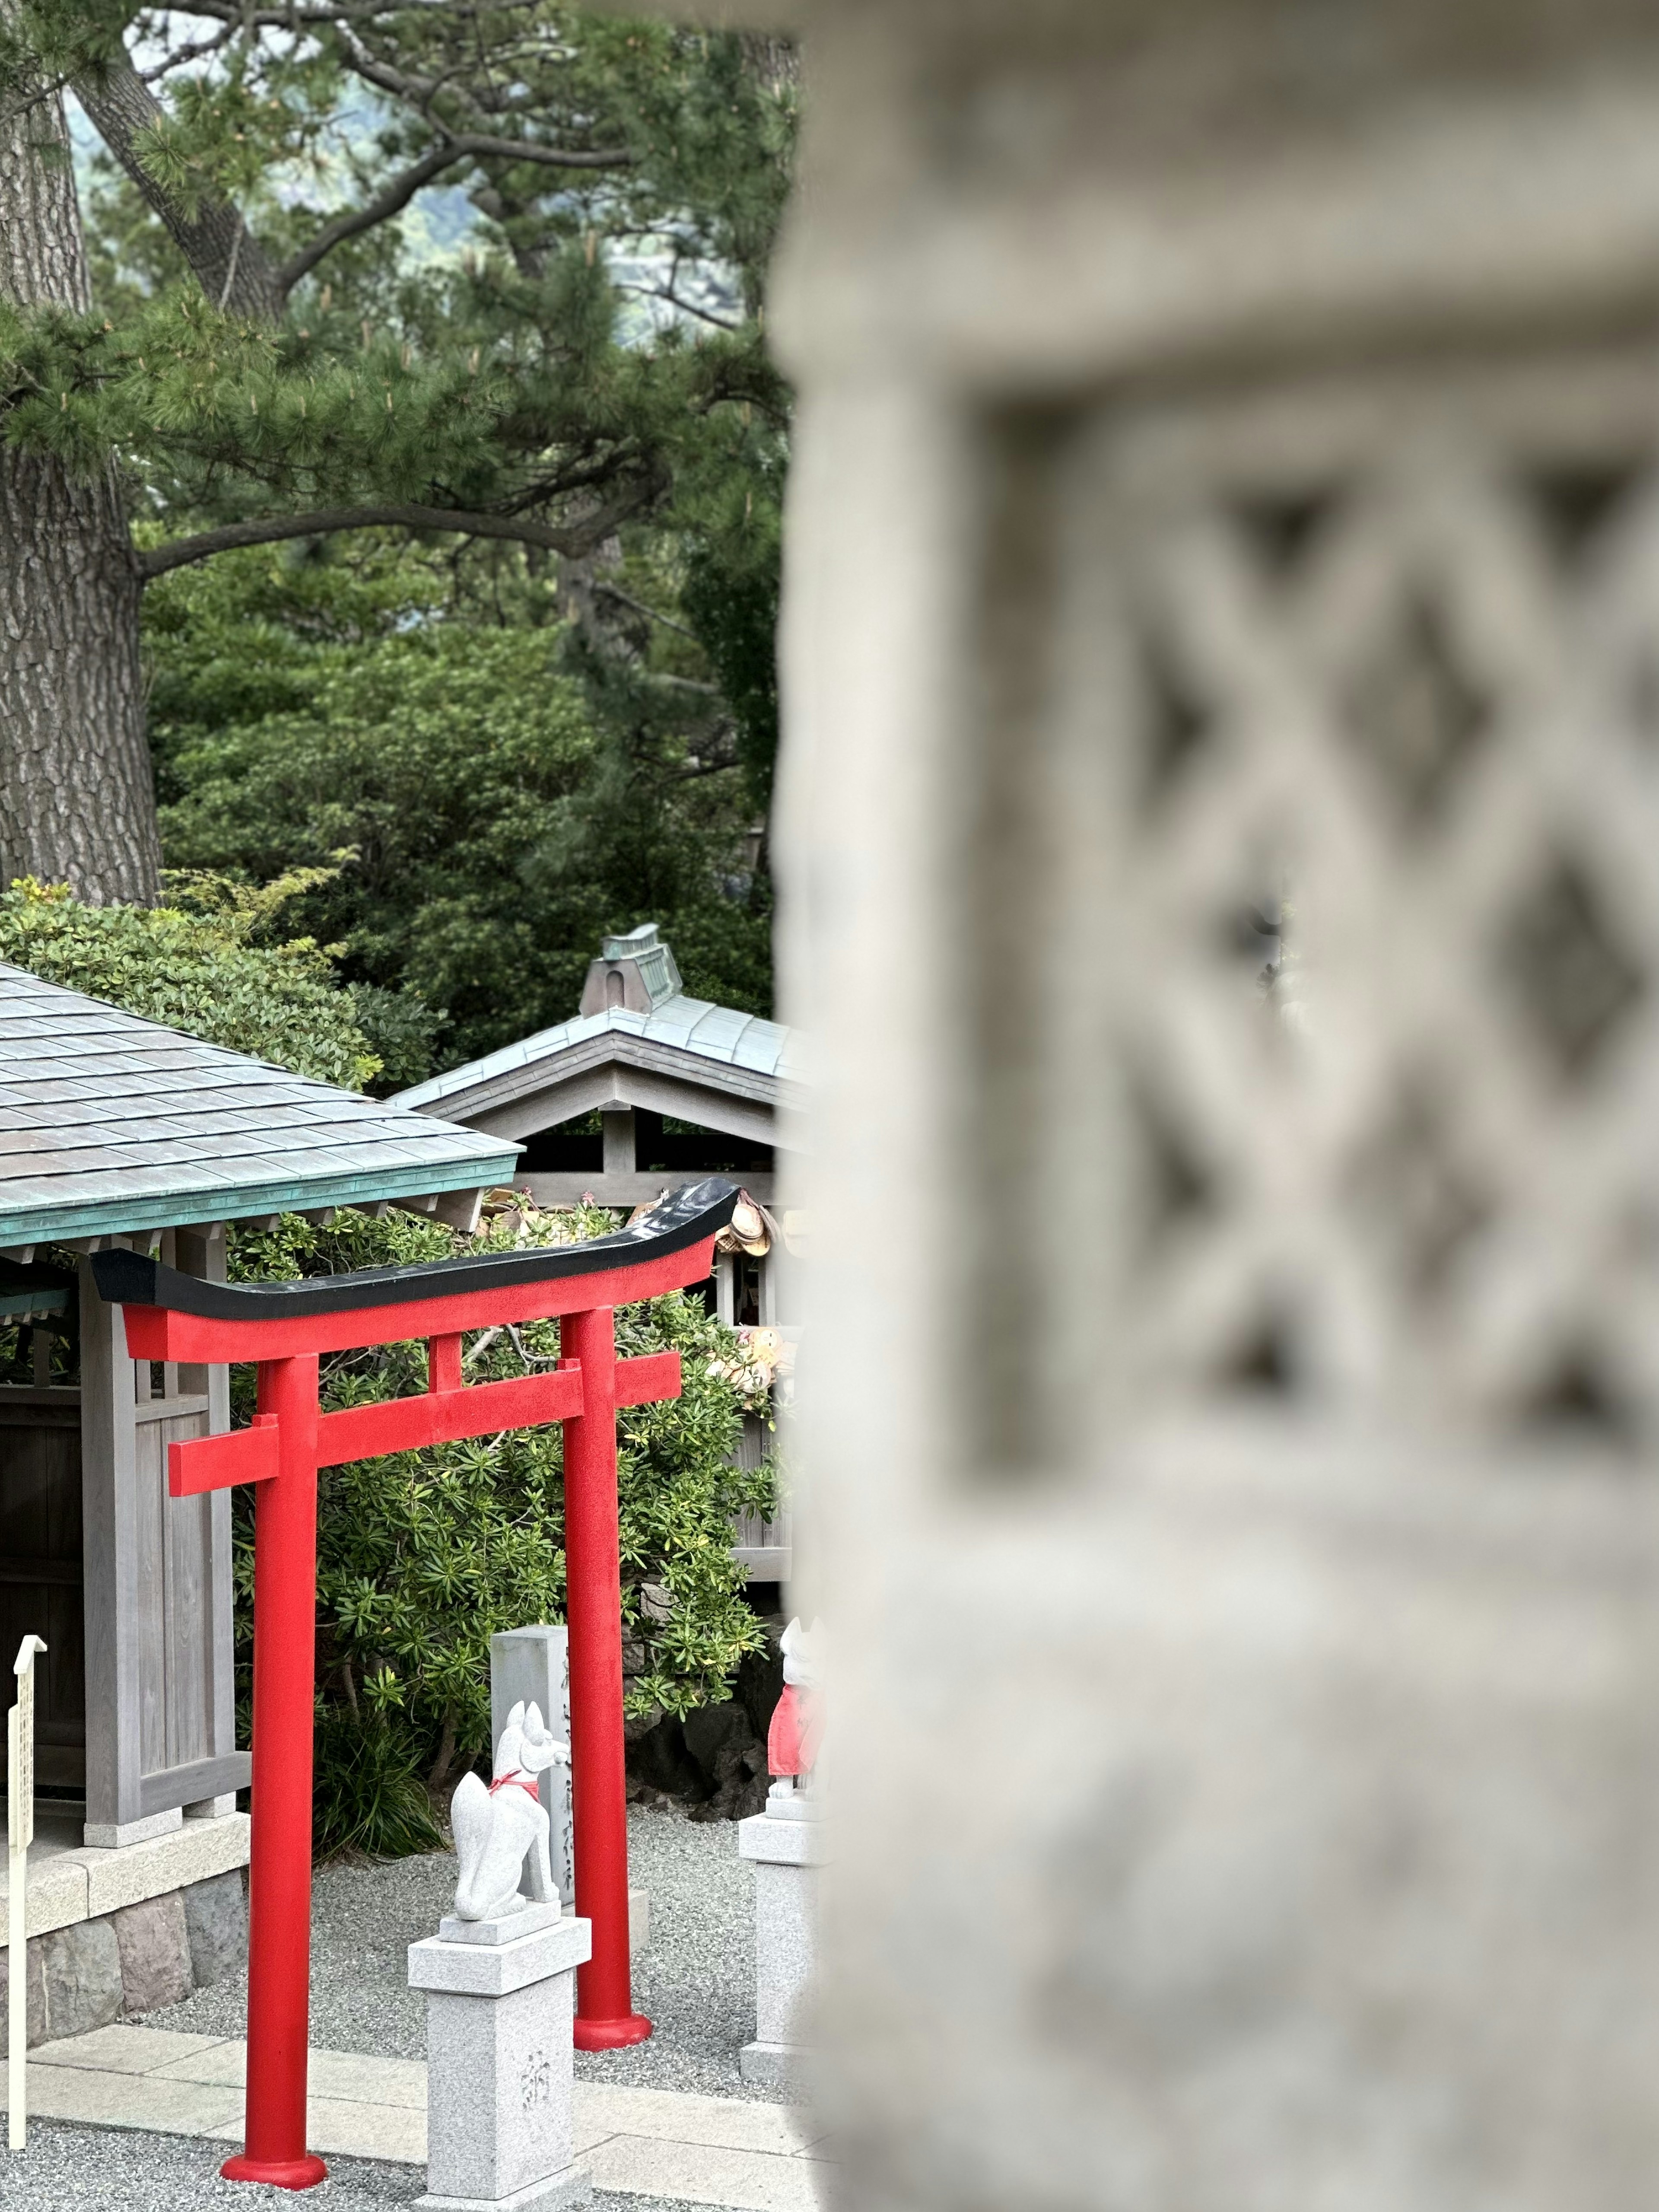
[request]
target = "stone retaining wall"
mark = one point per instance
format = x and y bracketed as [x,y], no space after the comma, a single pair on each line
[134,1961]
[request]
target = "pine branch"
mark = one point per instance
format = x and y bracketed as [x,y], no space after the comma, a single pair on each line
[320,522]
[391,201]
[397,195]
[181,57]
[227,260]
[483,147]
[611,591]
[672,299]
[291,14]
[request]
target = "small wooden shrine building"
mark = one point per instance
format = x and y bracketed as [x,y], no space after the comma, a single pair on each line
[644,1090]
[114,1130]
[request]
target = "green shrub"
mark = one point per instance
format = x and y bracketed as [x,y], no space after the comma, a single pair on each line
[422,1555]
[195,966]
[367,1791]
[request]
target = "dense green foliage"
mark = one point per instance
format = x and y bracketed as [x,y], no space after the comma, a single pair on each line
[424,1556]
[472,828]
[194,965]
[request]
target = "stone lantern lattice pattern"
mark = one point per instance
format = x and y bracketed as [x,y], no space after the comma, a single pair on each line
[1391,641]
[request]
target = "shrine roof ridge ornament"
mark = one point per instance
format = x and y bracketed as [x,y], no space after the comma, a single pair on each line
[634,1012]
[685,1217]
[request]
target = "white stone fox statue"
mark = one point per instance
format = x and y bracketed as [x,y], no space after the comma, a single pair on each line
[495,1827]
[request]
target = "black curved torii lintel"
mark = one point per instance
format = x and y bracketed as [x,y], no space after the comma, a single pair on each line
[686,1217]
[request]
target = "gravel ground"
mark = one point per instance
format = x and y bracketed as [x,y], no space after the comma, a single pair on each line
[65,2169]
[696,1982]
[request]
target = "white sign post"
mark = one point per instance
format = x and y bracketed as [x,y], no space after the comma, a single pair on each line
[20,1834]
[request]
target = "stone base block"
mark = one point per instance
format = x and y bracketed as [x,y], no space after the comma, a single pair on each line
[87,1974]
[572,2187]
[39,2031]
[155,1946]
[113,1835]
[528,1920]
[82,1974]
[129,1929]
[216,1921]
[776,2066]
[786,1948]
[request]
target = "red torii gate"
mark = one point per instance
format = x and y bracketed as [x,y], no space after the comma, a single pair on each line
[286,1327]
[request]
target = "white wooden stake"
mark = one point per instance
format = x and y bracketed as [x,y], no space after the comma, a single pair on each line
[20,1834]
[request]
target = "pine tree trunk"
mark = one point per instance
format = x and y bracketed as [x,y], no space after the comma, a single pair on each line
[228,260]
[78,803]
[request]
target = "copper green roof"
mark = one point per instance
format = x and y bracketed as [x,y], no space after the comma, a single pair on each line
[110,1123]
[713,1045]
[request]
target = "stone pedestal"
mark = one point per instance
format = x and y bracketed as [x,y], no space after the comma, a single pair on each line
[787,1849]
[498,2030]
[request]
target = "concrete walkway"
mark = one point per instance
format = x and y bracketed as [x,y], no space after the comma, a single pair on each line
[643,2142]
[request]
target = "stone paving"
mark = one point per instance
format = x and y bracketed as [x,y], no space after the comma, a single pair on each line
[738,2155]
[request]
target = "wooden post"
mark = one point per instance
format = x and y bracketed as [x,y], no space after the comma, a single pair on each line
[619,1152]
[109,1510]
[202,1252]
[605,2018]
[160,1693]
[20,1834]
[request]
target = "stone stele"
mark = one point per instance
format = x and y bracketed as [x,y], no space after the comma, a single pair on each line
[786,1853]
[499,2060]
[532,1666]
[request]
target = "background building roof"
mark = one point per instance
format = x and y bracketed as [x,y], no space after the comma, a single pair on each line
[650,1025]
[110,1123]
[717,1035]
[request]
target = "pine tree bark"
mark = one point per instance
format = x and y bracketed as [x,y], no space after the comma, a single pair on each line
[77,801]
[227,261]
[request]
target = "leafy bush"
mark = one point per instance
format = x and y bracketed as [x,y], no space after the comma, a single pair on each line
[424,1556]
[194,965]
[367,1791]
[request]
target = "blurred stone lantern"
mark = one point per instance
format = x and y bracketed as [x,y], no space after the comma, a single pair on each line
[1225,456]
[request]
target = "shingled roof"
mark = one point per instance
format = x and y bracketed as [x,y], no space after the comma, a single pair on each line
[650,1025]
[110,1123]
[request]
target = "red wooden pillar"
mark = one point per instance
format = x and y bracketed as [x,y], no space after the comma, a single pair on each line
[605,2018]
[279,1882]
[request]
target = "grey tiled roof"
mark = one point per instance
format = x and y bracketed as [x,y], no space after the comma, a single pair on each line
[109,1122]
[717,1037]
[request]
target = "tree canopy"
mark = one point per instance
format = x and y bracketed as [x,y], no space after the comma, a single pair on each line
[557,391]
[469,824]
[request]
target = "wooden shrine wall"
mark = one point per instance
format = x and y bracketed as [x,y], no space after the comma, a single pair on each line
[174,1647]
[161,1690]
[40,1570]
